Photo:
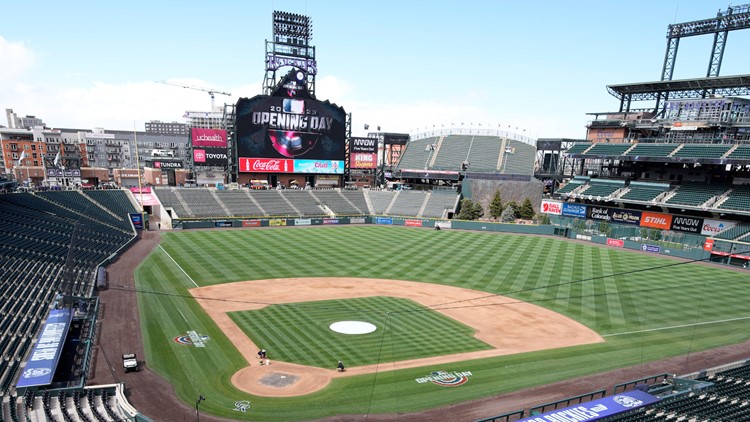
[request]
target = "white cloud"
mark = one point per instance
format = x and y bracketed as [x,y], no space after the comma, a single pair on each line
[16,59]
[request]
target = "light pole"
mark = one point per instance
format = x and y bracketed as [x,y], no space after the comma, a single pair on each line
[198,415]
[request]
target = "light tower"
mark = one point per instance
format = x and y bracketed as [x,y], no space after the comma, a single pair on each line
[290,46]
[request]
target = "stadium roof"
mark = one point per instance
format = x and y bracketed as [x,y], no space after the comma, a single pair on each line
[738,85]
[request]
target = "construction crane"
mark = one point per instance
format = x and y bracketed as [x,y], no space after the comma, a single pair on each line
[211,92]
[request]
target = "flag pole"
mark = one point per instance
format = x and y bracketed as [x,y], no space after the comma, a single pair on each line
[138,168]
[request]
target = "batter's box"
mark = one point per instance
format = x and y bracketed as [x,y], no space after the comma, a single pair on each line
[278,380]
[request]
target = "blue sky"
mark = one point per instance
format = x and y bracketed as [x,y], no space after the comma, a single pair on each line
[403,65]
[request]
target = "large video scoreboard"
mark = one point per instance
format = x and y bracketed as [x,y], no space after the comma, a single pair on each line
[289,131]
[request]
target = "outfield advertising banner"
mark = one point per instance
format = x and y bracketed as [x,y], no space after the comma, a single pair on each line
[615,242]
[222,224]
[319,166]
[302,222]
[656,220]
[212,138]
[357,220]
[250,223]
[551,207]
[650,248]
[383,220]
[597,409]
[40,368]
[277,222]
[614,215]
[361,160]
[330,221]
[413,223]
[687,224]
[137,219]
[713,227]
[574,210]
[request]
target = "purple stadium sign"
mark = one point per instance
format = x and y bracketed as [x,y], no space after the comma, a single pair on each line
[40,368]
[597,409]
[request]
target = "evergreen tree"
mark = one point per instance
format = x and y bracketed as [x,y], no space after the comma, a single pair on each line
[477,211]
[467,208]
[508,215]
[527,210]
[496,205]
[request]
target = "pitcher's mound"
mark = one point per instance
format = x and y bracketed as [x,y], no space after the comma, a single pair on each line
[278,380]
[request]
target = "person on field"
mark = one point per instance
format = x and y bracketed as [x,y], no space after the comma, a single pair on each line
[340,367]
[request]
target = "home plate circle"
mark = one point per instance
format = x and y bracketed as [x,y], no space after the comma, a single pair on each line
[353,327]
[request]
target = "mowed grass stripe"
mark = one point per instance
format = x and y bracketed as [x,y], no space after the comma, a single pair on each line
[300,332]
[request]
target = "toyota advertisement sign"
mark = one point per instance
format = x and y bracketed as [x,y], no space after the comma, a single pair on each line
[205,156]
[290,125]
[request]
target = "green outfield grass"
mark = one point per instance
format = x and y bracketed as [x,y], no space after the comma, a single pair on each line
[646,307]
[300,333]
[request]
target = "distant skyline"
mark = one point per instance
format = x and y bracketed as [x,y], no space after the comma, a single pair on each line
[405,66]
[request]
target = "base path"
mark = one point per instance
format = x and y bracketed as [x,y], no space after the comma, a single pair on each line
[508,325]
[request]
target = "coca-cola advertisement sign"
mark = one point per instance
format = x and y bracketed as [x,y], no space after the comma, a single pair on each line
[266,165]
[551,207]
[216,138]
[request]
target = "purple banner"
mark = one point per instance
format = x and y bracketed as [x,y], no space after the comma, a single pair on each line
[597,409]
[40,368]
[650,248]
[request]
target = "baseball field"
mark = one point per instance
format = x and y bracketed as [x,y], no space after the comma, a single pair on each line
[457,316]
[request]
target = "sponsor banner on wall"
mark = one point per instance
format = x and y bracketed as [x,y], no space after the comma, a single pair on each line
[330,221]
[614,215]
[625,216]
[250,223]
[40,367]
[413,223]
[574,210]
[207,156]
[551,207]
[137,219]
[319,166]
[615,242]
[144,195]
[383,220]
[597,409]
[708,245]
[687,224]
[650,248]
[216,138]
[361,160]
[222,224]
[357,220]
[302,222]
[713,227]
[276,222]
[366,145]
[266,165]
[167,164]
[656,220]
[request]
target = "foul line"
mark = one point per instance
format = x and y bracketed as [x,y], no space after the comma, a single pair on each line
[178,266]
[676,326]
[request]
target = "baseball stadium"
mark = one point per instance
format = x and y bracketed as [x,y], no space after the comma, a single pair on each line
[460,274]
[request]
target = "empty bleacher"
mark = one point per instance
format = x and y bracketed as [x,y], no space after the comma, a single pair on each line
[695,194]
[518,158]
[304,202]
[603,148]
[273,203]
[439,204]
[239,203]
[169,200]
[416,154]
[484,154]
[578,148]
[652,150]
[407,203]
[644,191]
[602,187]
[735,232]
[201,203]
[738,199]
[380,200]
[742,152]
[340,204]
[702,150]
[116,201]
[48,238]
[573,184]
[452,151]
